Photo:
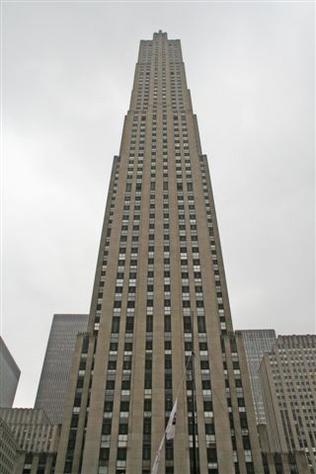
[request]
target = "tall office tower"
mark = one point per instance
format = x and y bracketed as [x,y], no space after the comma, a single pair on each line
[54,379]
[288,380]
[256,343]
[159,294]
[9,376]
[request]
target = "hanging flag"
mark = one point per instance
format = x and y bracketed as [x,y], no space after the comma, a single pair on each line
[168,434]
[171,426]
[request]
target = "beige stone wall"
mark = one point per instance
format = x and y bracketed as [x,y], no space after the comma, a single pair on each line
[288,383]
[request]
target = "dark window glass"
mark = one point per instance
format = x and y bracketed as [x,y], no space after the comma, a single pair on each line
[106,427]
[108,406]
[211,455]
[121,454]
[209,428]
[201,324]
[112,364]
[124,406]
[123,428]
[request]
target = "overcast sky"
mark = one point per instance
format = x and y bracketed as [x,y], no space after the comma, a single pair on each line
[67,76]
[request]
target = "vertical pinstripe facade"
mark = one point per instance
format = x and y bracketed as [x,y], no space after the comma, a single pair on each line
[159,294]
[9,376]
[288,380]
[53,384]
[8,449]
[35,437]
[257,342]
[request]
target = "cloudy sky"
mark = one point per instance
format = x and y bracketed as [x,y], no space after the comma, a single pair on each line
[67,75]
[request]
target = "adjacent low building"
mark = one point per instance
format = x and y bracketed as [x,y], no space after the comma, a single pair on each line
[284,463]
[288,381]
[9,450]
[281,462]
[36,440]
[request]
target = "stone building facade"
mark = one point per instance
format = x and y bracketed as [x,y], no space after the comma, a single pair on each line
[9,451]
[160,295]
[36,440]
[288,380]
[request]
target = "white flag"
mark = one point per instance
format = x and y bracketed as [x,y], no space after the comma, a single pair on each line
[171,426]
[168,434]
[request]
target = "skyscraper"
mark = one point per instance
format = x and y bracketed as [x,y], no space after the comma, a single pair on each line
[9,376]
[54,379]
[288,381]
[256,343]
[160,305]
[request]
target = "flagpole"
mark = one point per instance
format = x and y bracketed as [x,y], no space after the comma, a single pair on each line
[193,397]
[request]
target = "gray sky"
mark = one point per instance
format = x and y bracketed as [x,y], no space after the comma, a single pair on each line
[67,77]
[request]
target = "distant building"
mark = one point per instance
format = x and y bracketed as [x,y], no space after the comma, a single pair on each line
[9,376]
[8,449]
[256,343]
[288,381]
[55,372]
[36,438]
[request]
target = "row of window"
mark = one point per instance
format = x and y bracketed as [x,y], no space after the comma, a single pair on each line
[129,327]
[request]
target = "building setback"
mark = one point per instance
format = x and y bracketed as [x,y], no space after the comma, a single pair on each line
[256,343]
[9,376]
[288,380]
[54,379]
